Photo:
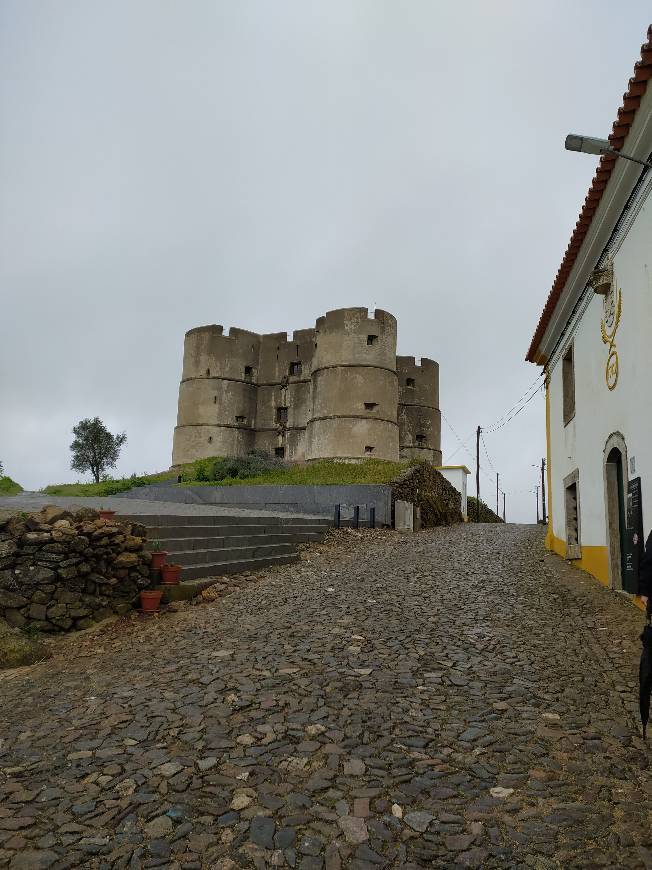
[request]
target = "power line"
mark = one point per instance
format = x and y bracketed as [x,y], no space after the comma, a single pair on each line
[516,413]
[464,447]
[502,421]
[462,443]
[486,452]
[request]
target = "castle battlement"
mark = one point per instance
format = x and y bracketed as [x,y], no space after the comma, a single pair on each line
[422,364]
[335,391]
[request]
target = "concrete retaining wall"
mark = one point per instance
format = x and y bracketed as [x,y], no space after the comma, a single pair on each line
[318,500]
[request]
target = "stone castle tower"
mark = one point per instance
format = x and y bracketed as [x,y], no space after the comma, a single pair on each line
[337,391]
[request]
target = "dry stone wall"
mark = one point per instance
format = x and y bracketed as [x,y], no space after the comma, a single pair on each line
[427,489]
[60,572]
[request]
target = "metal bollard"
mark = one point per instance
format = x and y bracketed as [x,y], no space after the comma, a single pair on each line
[356,517]
[372,516]
[338,516]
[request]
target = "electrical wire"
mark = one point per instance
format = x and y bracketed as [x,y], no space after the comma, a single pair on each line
[502,421]
[462,443]
[516,413]
[463,446]
[486,452]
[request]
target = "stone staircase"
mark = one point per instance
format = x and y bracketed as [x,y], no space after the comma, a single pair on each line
[209,545]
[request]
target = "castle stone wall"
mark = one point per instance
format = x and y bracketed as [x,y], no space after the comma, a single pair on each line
[419,418]
[335,391]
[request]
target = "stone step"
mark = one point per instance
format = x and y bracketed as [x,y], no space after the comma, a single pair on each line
[206,545]
[184,543]
[161,533]
[226,520]
[231,554]
[216,569]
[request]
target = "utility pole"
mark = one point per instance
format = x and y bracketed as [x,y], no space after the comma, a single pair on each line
[497,510]
[504,520]
[543,489]
[477,474]
[537,494]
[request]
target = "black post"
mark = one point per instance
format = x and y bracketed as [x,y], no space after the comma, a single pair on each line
[504,520]
[356,517]
[338,516]
[372,516]
[543,489]
[477,475]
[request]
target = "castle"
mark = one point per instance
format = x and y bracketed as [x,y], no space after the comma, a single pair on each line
[337,391]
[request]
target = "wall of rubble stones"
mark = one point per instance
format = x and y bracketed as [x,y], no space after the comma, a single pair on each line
[438,500]
[61,572]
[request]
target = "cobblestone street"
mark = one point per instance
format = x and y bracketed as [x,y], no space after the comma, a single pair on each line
[456,698]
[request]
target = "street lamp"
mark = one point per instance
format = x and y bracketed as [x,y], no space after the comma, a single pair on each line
[591,145]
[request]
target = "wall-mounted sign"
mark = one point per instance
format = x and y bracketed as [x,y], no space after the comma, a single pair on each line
[633,538]
[612,311]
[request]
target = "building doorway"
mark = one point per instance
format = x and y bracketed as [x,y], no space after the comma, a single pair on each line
[615,510]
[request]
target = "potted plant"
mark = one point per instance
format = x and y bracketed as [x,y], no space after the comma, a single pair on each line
[170,574]
[159,556]
[150,600]
[106,514]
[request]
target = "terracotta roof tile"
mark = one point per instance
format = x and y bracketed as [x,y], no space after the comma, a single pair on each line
[620,130]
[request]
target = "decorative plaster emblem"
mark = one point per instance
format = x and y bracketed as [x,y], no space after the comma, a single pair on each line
[613,307]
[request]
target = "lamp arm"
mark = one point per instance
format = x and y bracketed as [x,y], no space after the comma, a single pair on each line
[615,151]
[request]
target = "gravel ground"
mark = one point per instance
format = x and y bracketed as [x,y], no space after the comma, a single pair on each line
[34,501]
[457,698]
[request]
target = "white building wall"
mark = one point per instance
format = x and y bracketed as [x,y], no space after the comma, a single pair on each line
[600,412]
[457,476]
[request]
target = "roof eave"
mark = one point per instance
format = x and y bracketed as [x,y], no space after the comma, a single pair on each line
[620,130]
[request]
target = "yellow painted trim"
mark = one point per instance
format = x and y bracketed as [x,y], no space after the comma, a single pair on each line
[550,535]
[595,561]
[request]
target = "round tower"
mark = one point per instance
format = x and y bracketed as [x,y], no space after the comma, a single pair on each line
[217,394]
[354,387]
[419,418]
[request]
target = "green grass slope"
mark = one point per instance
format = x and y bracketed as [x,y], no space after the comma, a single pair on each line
[9,486]
[244,471]
[320,473]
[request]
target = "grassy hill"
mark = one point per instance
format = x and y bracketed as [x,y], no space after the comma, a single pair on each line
[248,470]
[9,486]
[107,487]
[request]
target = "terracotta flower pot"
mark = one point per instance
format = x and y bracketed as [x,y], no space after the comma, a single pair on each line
[107,515]
[158,560]
[170,574]
[150,600]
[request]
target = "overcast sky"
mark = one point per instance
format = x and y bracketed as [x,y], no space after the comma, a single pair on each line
[255,163]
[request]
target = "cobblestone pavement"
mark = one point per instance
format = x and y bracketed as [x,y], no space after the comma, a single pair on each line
[456,698]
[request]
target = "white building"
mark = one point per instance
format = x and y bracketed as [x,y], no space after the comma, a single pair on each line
[594,340]
[457,475]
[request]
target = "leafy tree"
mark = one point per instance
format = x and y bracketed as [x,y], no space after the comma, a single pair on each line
[2,470]
[95,449]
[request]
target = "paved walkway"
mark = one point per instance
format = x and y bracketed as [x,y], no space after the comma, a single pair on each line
[34,501]
[451,699]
